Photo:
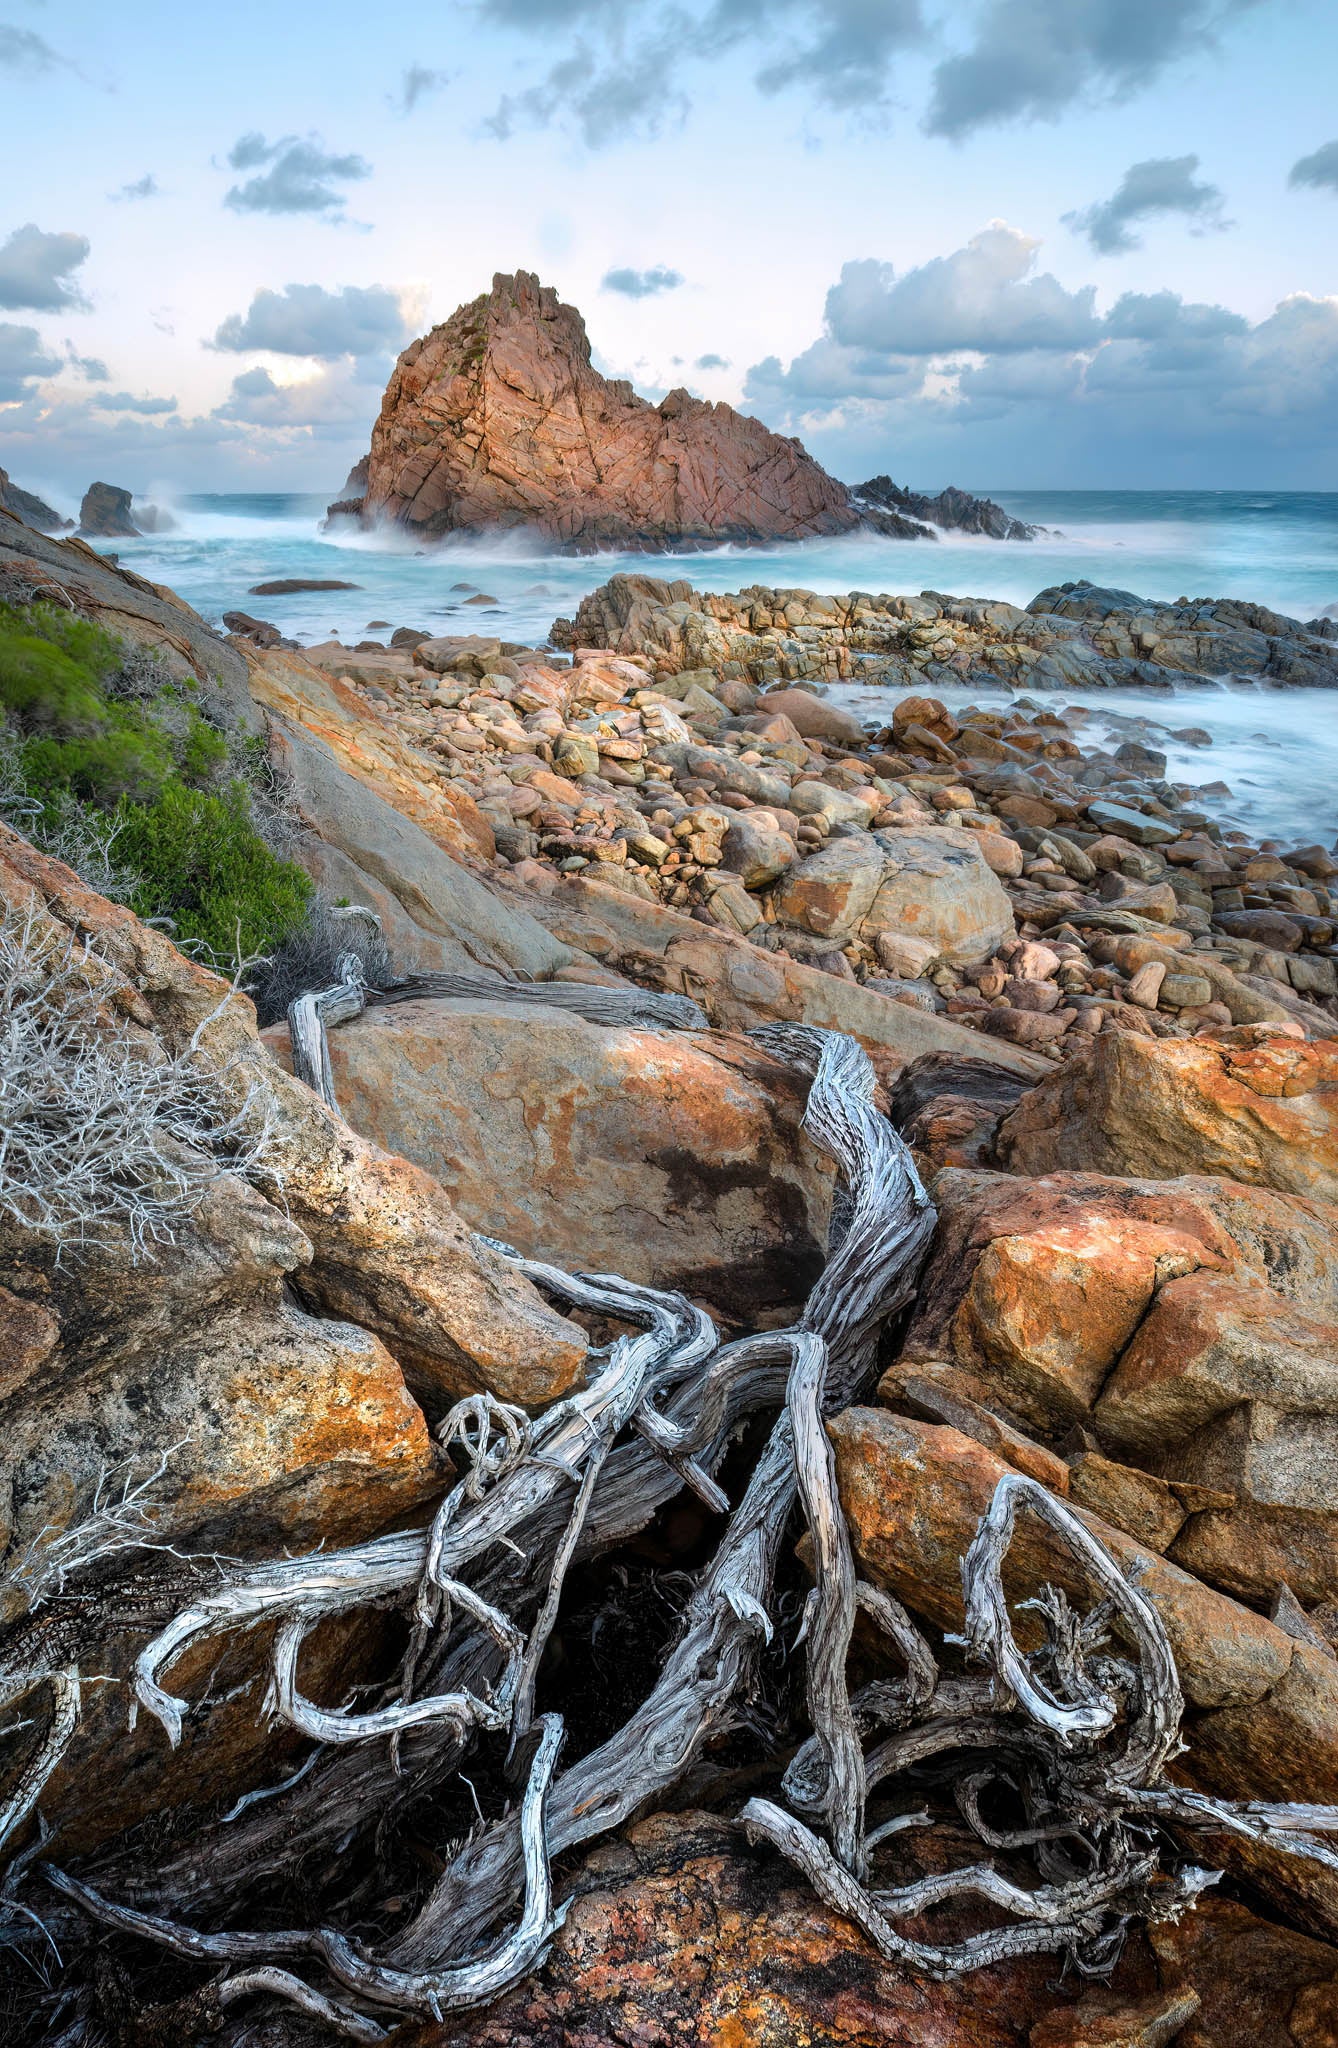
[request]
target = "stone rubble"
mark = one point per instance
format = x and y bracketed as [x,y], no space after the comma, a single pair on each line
[981,865]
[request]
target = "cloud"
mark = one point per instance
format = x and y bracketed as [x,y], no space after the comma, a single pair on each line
[641,284]
[146,187]
[1319,169]
[984,296]
[22,361]
[417,83]
[630,94]
[1160,184]
[620,75]
[91,367]
[1053,390]
[122,401]
[711,362]
[24,51]
[35,271]
[844,61]
[326,405]
[302,176]
[1031,59]
[307,320]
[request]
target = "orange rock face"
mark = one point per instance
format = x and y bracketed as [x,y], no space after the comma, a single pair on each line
[497,419]
[1266,1114]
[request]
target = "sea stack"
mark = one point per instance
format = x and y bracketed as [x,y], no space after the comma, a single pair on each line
[105,514]
[498,419]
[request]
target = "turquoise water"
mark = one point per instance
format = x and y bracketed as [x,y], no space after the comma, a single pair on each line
[1276,750]
[1279,548]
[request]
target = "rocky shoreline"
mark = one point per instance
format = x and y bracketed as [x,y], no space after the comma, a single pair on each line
[1106,1028]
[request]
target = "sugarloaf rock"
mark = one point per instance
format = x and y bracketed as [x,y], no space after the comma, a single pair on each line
[497,418]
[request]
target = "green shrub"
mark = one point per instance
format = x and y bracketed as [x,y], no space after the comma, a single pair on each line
[89,726]
[205,866]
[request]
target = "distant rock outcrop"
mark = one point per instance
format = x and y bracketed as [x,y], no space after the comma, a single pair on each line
[952,508]
[498,419]
[31,509]
[105,514]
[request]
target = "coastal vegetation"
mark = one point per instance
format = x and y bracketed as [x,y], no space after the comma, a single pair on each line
[142,783]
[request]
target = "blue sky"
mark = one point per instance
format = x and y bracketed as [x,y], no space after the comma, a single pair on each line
[1034,243]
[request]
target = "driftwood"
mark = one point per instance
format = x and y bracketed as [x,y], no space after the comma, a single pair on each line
[1055,1757]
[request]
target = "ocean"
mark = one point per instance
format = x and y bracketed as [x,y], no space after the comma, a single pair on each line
[1277,751]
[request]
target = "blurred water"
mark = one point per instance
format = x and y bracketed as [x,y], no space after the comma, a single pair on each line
[1277,750]
[1279,549]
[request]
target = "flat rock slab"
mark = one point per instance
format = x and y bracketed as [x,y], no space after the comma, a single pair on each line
[673,1158]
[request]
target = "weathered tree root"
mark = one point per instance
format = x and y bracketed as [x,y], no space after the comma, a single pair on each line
[1070,1740]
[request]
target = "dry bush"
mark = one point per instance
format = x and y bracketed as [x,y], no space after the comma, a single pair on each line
[105,1138]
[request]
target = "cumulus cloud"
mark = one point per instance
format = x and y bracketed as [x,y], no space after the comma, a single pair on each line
[417,83]
[1319,169]
[146,187]
[22,361]
[1160,184]
[124,401]
[712,362]
[326,405]
[35,271]
[307,320]
[1055,385]
[1032,59]
[641,284]
[299,176]
[986,296]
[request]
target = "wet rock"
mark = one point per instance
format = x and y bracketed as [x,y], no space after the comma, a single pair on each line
[105,514]
[290,586]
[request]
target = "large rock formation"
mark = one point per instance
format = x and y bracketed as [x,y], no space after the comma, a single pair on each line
[957,510]
[27,506]
[497,418]
[105,514]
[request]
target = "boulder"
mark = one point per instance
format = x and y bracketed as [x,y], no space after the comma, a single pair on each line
[674,1159]
[832,892]
[756,849]
[498,418]
[913,1493]
[930,885]
[937,885]
[737,983]
[28,507]
[376,1238]
[813,718]
[1265,1113]
[1188,1326]
[105,514]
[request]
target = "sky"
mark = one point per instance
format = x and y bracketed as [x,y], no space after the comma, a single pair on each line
[1024,244]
